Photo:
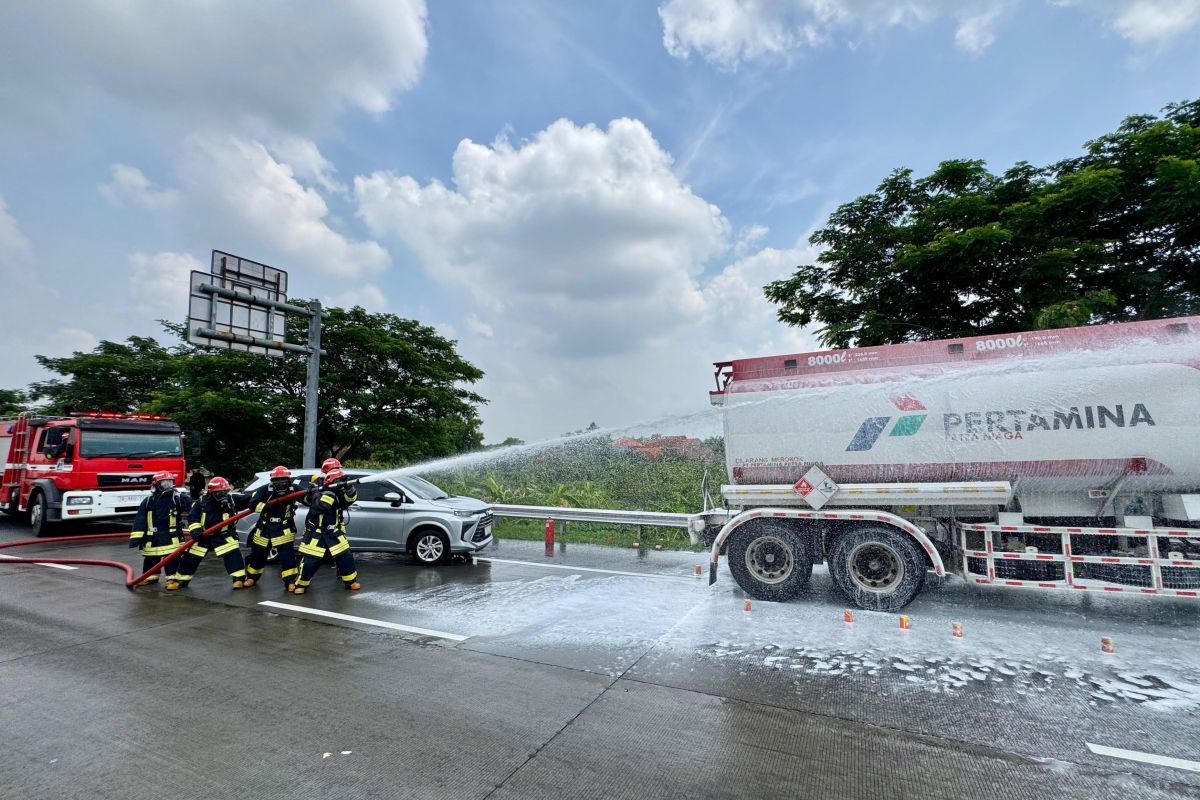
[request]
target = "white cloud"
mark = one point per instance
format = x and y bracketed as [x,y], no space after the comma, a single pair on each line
[583,234]
[207,60]
[579,256]
[306,161]
[1149,22]
[129,185]
[732,32]
[241,183]
[13,244]
[729,32]
[479,327]
[159,282]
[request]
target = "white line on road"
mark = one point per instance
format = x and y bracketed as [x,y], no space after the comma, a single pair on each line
[584,569]
[40,564]
[395,626]
[1148,758]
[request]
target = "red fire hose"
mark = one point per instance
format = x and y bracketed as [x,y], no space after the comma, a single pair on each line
[131,581]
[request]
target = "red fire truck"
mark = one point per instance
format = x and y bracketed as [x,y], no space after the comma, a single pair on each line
[95,465]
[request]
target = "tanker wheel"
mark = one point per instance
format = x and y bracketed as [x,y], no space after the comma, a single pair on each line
[769,561]
[877,568]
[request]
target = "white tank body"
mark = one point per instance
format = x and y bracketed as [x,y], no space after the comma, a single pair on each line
[1049,411]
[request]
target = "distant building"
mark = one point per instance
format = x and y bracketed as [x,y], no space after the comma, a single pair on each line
[656,447]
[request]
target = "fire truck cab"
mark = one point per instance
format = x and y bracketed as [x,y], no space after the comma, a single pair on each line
[95,465]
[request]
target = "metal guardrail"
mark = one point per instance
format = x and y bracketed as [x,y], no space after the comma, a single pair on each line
[659,519]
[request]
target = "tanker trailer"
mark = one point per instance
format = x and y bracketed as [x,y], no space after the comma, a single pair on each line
[1061,460]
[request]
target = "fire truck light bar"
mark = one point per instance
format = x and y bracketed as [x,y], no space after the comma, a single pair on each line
[117,415]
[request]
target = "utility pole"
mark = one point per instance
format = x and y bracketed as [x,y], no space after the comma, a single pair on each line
[309,459]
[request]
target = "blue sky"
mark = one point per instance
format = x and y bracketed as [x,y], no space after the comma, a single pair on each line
[587,196]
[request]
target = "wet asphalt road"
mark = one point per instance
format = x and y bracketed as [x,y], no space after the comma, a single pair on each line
[521,676]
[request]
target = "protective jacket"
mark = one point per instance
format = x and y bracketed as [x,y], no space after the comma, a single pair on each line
[158,524]
[276,523]
[325,535]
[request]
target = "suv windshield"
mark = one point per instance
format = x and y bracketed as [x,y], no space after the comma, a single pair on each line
[421,488]
[128,444]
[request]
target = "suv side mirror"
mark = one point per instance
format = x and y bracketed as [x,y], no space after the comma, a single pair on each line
[395,498]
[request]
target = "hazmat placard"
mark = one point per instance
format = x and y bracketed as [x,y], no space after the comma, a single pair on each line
[816,488]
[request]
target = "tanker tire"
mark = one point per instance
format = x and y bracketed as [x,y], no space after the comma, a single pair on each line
[769,561]
[39,515]
[877,568]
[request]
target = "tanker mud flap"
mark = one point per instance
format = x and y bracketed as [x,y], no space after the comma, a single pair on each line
[918,535]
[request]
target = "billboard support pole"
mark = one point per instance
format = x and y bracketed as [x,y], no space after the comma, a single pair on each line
[309,459]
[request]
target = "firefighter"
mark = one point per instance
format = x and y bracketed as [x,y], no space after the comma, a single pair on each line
[276,527]
[158,525]
[318,480]
[217,505]
[325,533]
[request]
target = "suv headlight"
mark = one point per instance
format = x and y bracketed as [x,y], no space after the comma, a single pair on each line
[458,513]
[79,501]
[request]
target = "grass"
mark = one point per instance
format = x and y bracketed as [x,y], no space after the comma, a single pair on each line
[595,533]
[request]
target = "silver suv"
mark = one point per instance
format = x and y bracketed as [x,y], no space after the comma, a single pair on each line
[401,515]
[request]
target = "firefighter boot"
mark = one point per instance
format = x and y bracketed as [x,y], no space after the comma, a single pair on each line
[353,586]
[238,584]
[299,590]
[247,582]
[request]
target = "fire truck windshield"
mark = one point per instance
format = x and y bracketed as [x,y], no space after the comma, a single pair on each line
[128,444]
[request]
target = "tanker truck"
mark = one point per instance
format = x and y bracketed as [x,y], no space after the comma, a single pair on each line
[1053,460]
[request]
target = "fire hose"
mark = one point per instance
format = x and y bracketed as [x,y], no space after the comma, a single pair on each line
[132,581]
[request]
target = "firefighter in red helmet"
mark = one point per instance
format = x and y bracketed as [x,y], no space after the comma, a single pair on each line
[217,505]
[276,528]
[158,524]
[325,533]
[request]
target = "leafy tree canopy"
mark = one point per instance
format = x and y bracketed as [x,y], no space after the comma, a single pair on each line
[1109,236]
[12,403]
[392,390]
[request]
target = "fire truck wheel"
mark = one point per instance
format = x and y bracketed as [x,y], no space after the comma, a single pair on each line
[39,514]
[769,560]
[877,568]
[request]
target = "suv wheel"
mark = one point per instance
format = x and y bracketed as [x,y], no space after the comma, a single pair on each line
[430,547]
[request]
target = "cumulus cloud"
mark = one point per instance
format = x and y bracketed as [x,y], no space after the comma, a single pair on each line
[581,261]
[240,181]
[215,59]
[584,233]
[158,282]
[306,161]
[731,32]
[129,185]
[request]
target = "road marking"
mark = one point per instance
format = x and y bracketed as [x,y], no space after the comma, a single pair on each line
[584,569]
[1147,758]
[395,626]
[40,564]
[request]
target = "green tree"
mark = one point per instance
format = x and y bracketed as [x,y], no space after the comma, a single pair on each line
[392,391]
[12,402]
[1112,235]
